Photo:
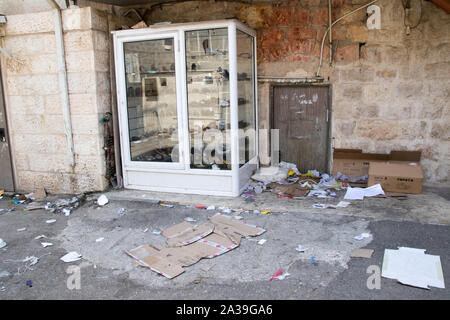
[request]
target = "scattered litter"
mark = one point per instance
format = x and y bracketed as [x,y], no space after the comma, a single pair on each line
[312,260]
[200,207]
[256,211]
[102,200]
[62,205]
[2,243]
[99,239]
[145,230]
[189,219]
[362,236]
[343,204]
[276,274]
[46,244]
[4,274]
[360,193]
[323,206]
[262,241]
[156,232]
[247,195]
[166,205]
[300,248]
[121,211]
[38,194]
[362,253]
[225,210]
[71,257]
[211,208]
[40,237]
[238,217]
[2,289]
[29,283]
[50,221]
[2,193]
[270,174]
[21,229]
[32,260]
[266,212]
[282,276]
[413,267]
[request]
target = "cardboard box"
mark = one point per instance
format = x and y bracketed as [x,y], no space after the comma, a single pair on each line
[396,177]
[354,163]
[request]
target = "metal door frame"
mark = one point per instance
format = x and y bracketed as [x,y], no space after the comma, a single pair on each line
[8,138]
[330,113]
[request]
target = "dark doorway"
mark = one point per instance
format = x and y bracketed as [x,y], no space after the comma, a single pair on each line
[302,114]
[6,178]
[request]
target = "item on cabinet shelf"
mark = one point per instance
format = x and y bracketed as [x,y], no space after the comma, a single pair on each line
[224,73]
[242,101]
[224,103]
[208,80]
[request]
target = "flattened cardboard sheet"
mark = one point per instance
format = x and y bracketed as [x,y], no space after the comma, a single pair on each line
[238,226]
[186,233]
[190,243]
[413,267]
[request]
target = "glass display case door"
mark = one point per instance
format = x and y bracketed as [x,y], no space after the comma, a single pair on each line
[153,114]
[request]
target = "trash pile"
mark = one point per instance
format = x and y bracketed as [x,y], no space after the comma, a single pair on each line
[287,182]
[65,206]
[187,243]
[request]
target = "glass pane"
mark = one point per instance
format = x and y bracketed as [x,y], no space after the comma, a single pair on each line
[246,98]
[208,98]
[151,100]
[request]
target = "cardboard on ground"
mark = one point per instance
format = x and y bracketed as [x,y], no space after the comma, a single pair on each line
[413,267]
[188,243]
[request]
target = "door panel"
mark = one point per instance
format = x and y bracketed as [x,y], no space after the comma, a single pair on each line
[301,115]
[6,178]
[152,110]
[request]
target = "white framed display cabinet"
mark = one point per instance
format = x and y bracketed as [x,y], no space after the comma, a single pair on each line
[187,106]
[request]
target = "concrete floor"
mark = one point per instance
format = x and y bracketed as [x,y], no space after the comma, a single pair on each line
[421,221]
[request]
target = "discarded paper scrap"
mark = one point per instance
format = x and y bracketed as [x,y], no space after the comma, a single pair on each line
[360,193]
[188,243]
[413,267]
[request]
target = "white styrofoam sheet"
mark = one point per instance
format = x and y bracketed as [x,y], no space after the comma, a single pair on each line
[413,267]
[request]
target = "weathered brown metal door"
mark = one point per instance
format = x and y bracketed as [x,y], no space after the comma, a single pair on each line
[6,179]
[301,113]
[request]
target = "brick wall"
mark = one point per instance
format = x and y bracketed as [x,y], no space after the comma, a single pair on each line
[390,90]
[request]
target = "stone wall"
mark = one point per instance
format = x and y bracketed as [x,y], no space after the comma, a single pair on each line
[390,89]
[32,93]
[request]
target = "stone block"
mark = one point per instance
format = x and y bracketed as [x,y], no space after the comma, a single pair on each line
[87,144]
[26,105]
[30,44]
[37,22]
[41,84]
[80,61]
[79,40]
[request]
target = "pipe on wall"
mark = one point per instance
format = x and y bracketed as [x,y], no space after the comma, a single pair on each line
[62,77]
[329,28]
[330,38]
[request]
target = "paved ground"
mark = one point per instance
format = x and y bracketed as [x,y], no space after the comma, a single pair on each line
[108,273]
